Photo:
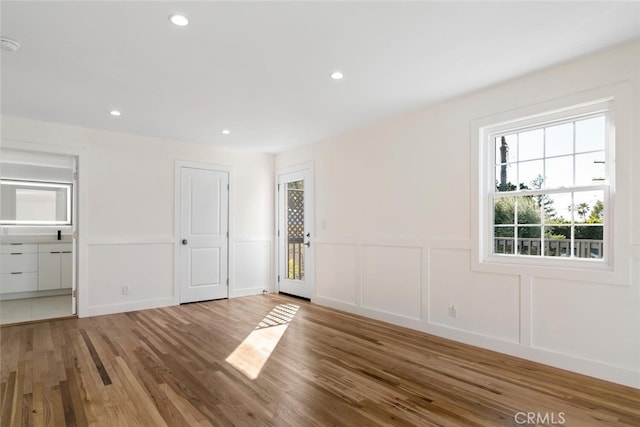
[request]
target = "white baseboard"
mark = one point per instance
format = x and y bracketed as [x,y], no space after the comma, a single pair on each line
[590,368]
[99,310]
[394,319]
[246,292]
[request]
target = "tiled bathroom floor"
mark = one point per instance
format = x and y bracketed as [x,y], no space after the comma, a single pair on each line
[23,310]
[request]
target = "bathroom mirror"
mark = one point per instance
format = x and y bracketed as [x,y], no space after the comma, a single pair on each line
[35,203]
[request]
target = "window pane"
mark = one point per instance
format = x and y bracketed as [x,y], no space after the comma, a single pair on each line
[504,210]
[548,210]
[559,172]
[557,240]
[590,135]
[528,210]
[529,241]
[536,247]
[511,149]
[557,208]
[589,241]
[531,145]
[557,232]
[529,232]
[588,207]
[503,240]
[295,230]
[588,232]
[502,231]
[506,177]
[590,168]
[530,174]
[559,140]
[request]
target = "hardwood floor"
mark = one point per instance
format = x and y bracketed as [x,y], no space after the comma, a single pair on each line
[168,367]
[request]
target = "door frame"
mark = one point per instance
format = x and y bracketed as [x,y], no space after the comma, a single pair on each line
[79,212]
[74,238]
[309,261]
[179,164]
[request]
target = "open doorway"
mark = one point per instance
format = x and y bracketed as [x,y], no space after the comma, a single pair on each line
[38,217]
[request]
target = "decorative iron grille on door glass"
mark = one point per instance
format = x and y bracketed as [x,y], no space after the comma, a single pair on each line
[295,230]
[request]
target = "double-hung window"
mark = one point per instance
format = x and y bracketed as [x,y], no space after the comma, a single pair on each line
[547,186]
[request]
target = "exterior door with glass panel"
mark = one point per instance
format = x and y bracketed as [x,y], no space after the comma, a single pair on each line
[295,233]
[204,226]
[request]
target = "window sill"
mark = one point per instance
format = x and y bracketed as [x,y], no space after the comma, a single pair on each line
[581,270]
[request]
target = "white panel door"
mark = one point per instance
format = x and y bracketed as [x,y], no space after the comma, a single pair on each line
[204,226]
[295,231]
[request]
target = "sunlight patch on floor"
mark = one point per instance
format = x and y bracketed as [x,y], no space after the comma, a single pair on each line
[252,354]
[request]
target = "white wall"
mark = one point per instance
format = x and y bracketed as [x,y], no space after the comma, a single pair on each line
[126,212]
[393,226]
[394,241]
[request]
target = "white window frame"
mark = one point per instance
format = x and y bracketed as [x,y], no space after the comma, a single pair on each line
[616,268]
[488,135]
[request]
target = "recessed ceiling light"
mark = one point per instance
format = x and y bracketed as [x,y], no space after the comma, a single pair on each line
[115,113]
[337,75]
[226,131]
[179,20]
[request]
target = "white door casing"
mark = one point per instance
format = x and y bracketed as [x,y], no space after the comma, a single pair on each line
[71,259]
[295,231]
[204,234]
[79,212]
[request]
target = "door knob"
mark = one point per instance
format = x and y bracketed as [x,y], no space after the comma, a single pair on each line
[308,244]
[184,241]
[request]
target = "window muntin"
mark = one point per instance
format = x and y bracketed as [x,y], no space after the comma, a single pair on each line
[551,189]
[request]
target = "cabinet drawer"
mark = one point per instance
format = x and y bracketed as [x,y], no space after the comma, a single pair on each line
[46,248]
[19,263]
[23,282]
[8,248]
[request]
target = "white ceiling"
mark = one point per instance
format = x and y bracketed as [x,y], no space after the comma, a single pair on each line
[262,69]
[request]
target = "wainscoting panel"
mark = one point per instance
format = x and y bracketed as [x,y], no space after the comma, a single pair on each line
[564,321]
[392,280]
[482,303]
[338,279]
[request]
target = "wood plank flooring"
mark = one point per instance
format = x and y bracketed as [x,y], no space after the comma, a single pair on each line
[168,367]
